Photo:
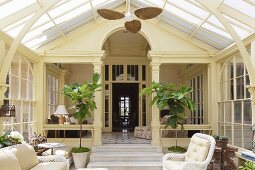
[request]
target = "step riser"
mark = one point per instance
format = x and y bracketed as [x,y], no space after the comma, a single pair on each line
[130,168]
[124,158]
[114,149]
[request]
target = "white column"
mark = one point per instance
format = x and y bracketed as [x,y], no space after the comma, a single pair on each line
[155,124]
[3,87]
[41,93]
[213,91]
[98,111]
[62,81]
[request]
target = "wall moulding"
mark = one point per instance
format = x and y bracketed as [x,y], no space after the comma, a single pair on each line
[54,56]
[181,57]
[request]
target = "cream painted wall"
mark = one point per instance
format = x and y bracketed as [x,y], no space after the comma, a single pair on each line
[170,73]
[94,38]
[79,73]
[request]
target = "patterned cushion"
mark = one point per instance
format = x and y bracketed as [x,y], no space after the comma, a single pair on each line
[172,165]
[198,149]
[51,166]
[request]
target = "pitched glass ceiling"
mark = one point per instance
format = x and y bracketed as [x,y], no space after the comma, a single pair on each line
[186,16]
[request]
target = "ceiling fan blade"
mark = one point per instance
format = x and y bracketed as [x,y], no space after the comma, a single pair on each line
[148,12]
[133,26]
[110,14]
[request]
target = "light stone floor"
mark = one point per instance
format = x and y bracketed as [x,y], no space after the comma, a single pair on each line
[123,138]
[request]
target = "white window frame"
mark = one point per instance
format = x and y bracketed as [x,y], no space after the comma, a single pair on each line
[25,123]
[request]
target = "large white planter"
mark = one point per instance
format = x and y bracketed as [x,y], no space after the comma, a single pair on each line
[80,159]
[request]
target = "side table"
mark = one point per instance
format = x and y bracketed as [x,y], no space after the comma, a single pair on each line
[51,146]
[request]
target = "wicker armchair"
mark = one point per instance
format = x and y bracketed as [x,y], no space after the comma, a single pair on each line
[198,155]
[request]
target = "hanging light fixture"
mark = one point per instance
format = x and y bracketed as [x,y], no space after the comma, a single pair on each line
[7,110]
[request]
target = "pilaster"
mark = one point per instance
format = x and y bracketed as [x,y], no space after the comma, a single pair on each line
[155,124]
[213,84]
[3,86]
[252,92]
[62,80]
[98,111]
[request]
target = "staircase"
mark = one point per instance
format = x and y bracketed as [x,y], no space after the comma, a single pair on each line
[126,157]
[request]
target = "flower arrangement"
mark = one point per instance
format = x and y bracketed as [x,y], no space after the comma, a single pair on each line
[11,138]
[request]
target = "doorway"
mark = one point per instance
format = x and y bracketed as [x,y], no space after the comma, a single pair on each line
[125,106]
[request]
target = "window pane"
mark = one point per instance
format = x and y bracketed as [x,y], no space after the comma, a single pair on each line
[24,89]
[24,68]
[240,88]
[238,135]
[238,111]
[229,133]
[17,105]
[15,65]
[221,112]
[14,87]
[247,135]
[25,111]
[228,112]
[247,117]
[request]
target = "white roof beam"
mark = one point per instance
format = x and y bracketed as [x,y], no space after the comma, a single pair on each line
[93,10]
[163,7]
[239,16]
[4,2]
[210,14]
[250,2]
[58,29]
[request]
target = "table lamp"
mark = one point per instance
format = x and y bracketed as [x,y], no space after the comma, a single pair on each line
[61,111]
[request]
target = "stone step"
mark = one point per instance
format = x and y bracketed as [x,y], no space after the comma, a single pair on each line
[126,156]
[126,148]
[127,165]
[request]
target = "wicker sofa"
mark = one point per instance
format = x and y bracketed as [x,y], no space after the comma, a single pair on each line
[23,157]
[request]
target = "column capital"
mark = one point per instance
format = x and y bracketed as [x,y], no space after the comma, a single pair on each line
[251,89]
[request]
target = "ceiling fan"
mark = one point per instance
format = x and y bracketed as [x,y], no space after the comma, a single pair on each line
[133,25]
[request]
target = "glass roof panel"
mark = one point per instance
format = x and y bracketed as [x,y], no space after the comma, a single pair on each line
[14,32]
[216,30]
[65,7]
[42,20]
[14,6]
[73,13]
[159,3]
[189,18]
[38,31]
[242,33]
[239,24]
[190,7]
[241,6]
[16,24]
[213,20]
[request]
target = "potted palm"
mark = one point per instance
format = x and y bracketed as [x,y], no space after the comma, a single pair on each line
[177,102]
[82,95]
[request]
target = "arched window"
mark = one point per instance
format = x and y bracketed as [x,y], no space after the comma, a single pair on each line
[20,92]
[235,112]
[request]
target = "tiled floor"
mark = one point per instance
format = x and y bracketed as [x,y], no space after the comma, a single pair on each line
[123,138]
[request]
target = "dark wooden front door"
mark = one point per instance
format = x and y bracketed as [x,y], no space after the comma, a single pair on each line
[125,106]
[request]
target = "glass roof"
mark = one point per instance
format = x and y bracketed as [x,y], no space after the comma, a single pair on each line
[186,16]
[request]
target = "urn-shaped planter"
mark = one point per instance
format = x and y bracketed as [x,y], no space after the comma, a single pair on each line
[80,159]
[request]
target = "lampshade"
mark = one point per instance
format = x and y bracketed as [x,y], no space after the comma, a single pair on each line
[61,110]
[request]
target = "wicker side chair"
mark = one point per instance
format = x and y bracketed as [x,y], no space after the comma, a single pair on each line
[198,155]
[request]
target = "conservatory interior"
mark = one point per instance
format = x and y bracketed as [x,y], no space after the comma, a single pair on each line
[206,45]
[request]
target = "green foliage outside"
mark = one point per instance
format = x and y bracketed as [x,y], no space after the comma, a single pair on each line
[248,165]
[82,95]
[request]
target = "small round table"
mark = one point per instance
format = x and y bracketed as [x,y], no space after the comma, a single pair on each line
[51,146]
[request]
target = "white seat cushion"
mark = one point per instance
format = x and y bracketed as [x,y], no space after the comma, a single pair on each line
[8,160]
[50,166]
[26,156]
[198,149]
[65,151]
[172,165]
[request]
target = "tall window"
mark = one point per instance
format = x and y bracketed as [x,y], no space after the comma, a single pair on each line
[197,117]
[20,92]
[235,112]
[53,94]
